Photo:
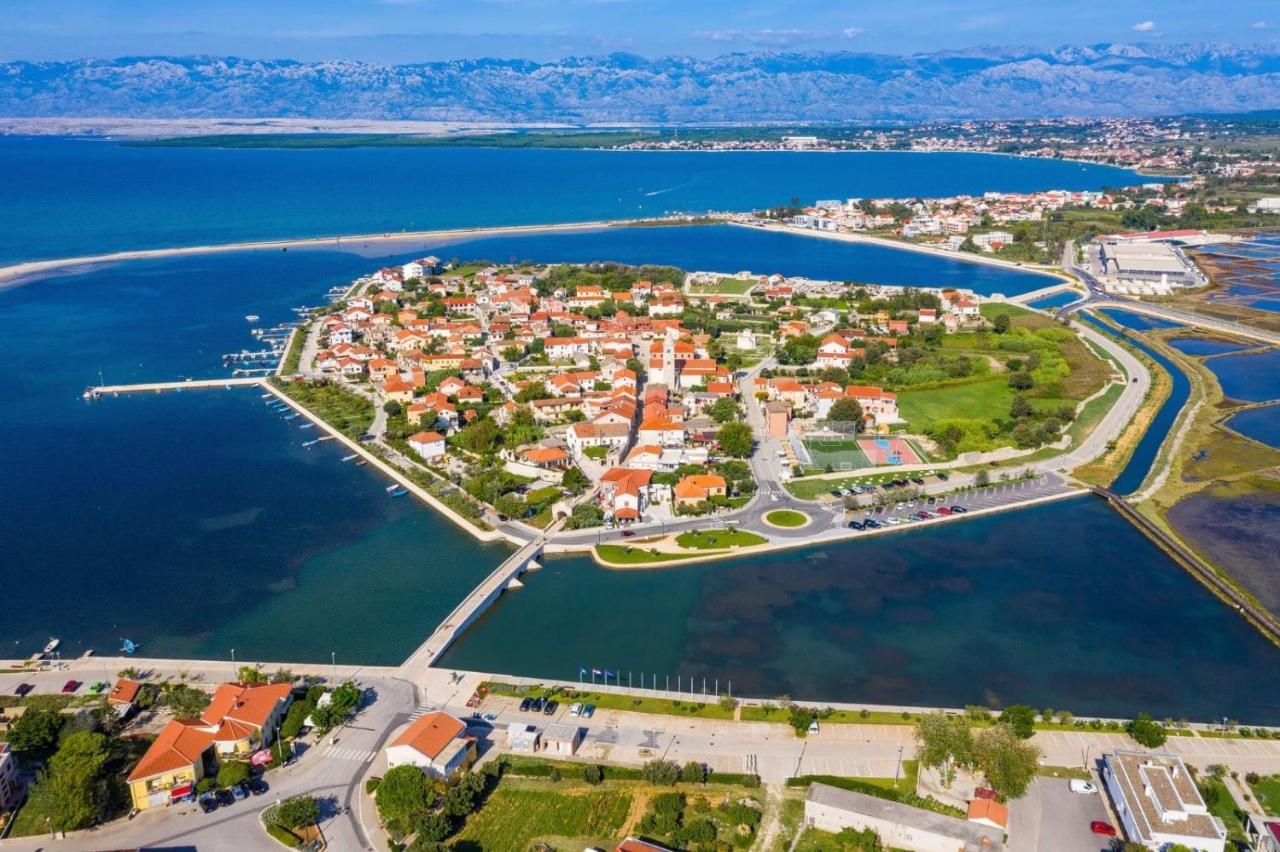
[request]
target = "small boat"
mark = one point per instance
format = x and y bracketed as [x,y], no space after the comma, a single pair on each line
[391,488]
[350,457]
[129,646]
[52,646]
[251,317]
[399,492]
[360,462]
[307,426]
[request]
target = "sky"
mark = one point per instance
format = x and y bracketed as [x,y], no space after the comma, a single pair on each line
[405,31]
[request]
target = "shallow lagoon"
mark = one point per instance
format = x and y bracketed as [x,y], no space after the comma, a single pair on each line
[1250,378]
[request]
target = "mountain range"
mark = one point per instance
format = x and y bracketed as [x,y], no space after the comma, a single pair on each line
[1108,80]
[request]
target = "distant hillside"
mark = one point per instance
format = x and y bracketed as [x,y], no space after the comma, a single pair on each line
[1104,80]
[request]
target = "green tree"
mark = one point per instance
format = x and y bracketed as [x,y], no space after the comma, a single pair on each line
[945,743]
[661,773]
[847,410]
[433,828]
[1021,380]
[186,702]
[533,390]
[72,793]
[295,718]
[250,674]
[982,479]
[1021,718]
[403,797]
[592,774]
[233,772]
[392,408]
[481,436]
[575,480]
[724,410]
[736,439]
[298,812]
[584,516]
[1147,731]
[36,731]
[799,350]
[693,772]
[1000,323]
[1008,762]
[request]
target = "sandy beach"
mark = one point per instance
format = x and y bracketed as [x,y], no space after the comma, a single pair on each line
[21,273]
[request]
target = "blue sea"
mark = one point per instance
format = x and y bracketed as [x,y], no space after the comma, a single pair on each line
[74,197]
[198,522]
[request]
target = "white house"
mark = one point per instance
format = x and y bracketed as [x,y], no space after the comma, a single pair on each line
[428,445]
[562,740]
[436,743]
[522,737]
[1158,802]
[11,786]
[899,826]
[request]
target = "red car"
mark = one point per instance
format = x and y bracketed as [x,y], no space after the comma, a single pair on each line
[628,533]
[1100,827]
[944,511]
[71,686]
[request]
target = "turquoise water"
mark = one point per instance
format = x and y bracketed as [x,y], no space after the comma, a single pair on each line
[1057,300]
[1202,346]
[1249,378]
[1063,605]
[68,197]
[1261,424]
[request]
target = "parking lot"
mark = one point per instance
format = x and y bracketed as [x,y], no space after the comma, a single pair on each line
[1051,818]
[992,497]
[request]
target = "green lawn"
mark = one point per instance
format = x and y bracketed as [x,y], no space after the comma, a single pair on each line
[726,286]
[1267,792]
[981,400]
[610,701]
[517,813]
[810,489]
[1222,805]
[622,554]
[786,518]
[718,539]
[1092,414]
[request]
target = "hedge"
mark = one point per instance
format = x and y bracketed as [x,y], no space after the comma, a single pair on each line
[925,802]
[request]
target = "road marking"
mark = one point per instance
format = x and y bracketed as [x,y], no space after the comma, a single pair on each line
[344,753]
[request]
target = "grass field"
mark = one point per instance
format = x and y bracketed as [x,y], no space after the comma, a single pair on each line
[786,518]
[1267,792]
[622,554]
[520,812]
[726,287]
[1222,805]
[982,400]
[718,539]
[839,453]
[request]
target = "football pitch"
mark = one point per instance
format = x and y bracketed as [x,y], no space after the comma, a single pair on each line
[839,453]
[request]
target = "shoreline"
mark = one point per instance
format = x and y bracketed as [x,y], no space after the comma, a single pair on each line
[885,242]
[34,270]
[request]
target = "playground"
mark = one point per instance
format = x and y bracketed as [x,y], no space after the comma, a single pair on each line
[888,451]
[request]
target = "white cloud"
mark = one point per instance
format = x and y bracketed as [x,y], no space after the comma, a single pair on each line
[1144,27]
[1259,25]
[719,35]
[852,32]
[767,37]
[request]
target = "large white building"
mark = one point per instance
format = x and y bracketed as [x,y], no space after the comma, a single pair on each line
[1156,265]
[1158,803]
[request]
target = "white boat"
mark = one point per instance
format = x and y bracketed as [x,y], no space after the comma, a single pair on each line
[251,317]
[54,642]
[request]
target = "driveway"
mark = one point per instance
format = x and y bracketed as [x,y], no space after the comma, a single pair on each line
[1050,818]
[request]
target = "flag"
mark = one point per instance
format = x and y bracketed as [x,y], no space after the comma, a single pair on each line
[581,672]
[608,674]
[596,672]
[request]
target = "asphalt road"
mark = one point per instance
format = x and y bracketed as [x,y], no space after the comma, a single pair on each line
[1050,818]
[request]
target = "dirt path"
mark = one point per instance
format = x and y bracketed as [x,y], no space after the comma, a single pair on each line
[639,804]
[772,821]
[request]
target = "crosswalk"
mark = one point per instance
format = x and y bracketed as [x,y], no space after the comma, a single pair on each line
[420,711]
[345,753]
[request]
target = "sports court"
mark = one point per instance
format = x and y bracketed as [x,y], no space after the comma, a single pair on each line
[839,452]
[888,451]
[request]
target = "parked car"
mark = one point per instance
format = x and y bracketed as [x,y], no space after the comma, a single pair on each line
[1103,828]
[98,687]
[226,798]
[575,710]
[813,726]
[628,533]
[855,525]
[588,711]
[551,707]
[525,705]
[208,802]
[958,510]
[538,704]
[1083,787]
[944,476]
[240,792]
[944,511]
[257,786]
[71,686]
[917,480]
[22,689]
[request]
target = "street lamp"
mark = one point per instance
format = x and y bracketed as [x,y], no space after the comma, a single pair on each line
[897,769]
[333,665]
[233,657]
